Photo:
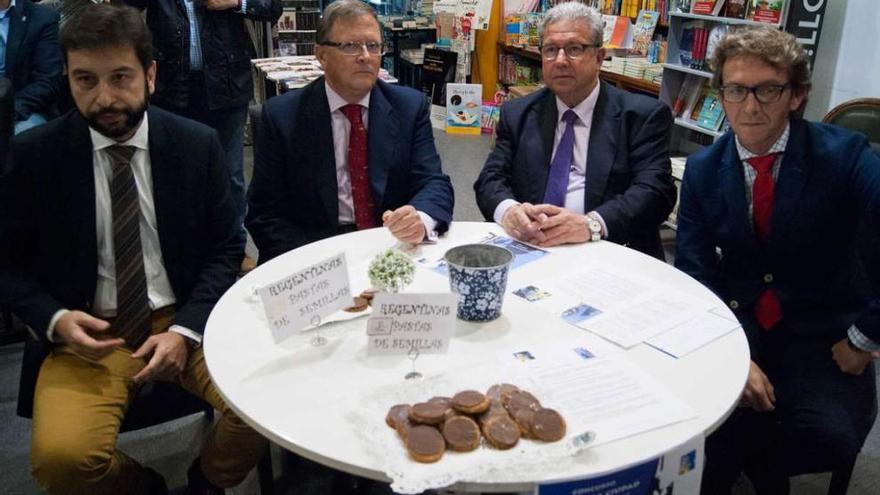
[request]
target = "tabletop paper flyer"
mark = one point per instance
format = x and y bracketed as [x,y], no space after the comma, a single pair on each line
[299,301]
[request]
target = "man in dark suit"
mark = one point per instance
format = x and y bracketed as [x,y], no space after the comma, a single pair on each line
[579,160]
[768,221]
[30,57]
[121,235]
[347,151]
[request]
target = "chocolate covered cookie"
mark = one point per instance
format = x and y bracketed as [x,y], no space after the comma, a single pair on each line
[470,402]
[501,432]
[461,433]
[425,444]
[428,413]
[397,414]
[548,425]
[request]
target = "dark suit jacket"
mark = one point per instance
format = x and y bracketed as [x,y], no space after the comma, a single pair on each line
[828,182]
[292,199]
[226,50]
[33,59]
[629,180]
[48,232]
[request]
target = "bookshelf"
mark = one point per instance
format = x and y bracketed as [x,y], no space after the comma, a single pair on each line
[296,29]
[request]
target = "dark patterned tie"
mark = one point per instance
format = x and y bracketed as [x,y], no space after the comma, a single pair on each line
[768,311]
[560,168]
[132,302]
[362,194]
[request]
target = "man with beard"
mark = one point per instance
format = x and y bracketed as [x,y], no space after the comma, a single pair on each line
[121,235]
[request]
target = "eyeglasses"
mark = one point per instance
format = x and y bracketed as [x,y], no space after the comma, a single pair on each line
[574,51]
[357,47]
[765,93]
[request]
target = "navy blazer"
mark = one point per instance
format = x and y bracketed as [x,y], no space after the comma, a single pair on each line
[828,182]
[293,196]
[33,59]
[48,234]
[628,177]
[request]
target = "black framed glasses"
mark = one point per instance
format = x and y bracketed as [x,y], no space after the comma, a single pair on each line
[357,47]
[573,51]
[764,93]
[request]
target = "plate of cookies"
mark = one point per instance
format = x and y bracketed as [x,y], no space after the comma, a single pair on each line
[465,425]
[497,419]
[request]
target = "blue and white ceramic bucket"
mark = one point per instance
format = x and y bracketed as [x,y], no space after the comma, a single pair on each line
[478,274]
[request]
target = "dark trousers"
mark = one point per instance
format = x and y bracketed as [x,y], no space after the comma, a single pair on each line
[821,419]
[229,124]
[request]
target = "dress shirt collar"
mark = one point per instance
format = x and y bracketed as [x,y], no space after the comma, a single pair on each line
[140,139]
[5,12]
[584,109]
[778,146]
[337,102]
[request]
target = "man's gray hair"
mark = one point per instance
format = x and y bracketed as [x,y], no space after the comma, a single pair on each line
[343,9]
[576,11]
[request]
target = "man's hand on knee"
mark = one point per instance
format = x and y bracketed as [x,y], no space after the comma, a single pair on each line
[167,353]
[850,360]
[86,335]
[759,393]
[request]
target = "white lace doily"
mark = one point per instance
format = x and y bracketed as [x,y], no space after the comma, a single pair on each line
[485,465]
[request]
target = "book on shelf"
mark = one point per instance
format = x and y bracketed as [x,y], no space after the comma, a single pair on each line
[707,7]
[692,112]
[489,117]
[618,32]
[769,11]
[463,108]
[643,31]
[712,113]
[736,8]
[688,93]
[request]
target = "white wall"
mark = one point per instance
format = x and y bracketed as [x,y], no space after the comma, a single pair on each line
[848,57]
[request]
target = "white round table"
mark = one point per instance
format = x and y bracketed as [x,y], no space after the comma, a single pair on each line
[292,396]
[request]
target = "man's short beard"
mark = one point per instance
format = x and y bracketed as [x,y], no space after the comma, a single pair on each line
[132,119]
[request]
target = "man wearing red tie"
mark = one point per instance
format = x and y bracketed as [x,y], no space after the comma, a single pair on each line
[347,151]
[768,220]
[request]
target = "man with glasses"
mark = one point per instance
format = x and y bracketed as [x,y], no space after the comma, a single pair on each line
[580,160]
[768,221]
[347,151]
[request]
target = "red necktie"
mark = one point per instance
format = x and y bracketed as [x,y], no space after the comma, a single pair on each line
[767,308]
[364,206]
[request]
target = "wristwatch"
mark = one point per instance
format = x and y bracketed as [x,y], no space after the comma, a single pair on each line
[594,227]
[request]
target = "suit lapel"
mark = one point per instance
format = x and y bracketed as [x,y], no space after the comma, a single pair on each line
[382,135]
[320,159]
[165,163]
[18,21]
[793,173]
[547,117]
[732,180]
[81,200]
[602,146]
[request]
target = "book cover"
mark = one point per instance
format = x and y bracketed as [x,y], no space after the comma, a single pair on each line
[769,11]
[438,68]
[711,113]
[463,108]
[621,35]
[646,23]
[705,7]
[489,117]
[736,9]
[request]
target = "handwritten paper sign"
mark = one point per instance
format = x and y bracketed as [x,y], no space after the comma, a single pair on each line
[402,322]
[293,303]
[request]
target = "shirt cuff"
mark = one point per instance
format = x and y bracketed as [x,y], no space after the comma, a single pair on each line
[430,227]
[862,342]
[50,332]
[502,208]
[186,332]
[243,9]
[602,222]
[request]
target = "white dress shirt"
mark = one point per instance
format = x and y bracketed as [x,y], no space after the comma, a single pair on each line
[159,288]
[577,175]
[341,131]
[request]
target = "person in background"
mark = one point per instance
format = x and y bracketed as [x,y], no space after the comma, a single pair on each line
[580,160]
[347,151]
[118,238]
[768,221]
[204,53]
[31,59]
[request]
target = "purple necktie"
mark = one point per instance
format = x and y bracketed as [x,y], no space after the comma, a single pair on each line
[557,182]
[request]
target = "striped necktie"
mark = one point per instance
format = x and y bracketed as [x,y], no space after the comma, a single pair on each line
[132,302]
